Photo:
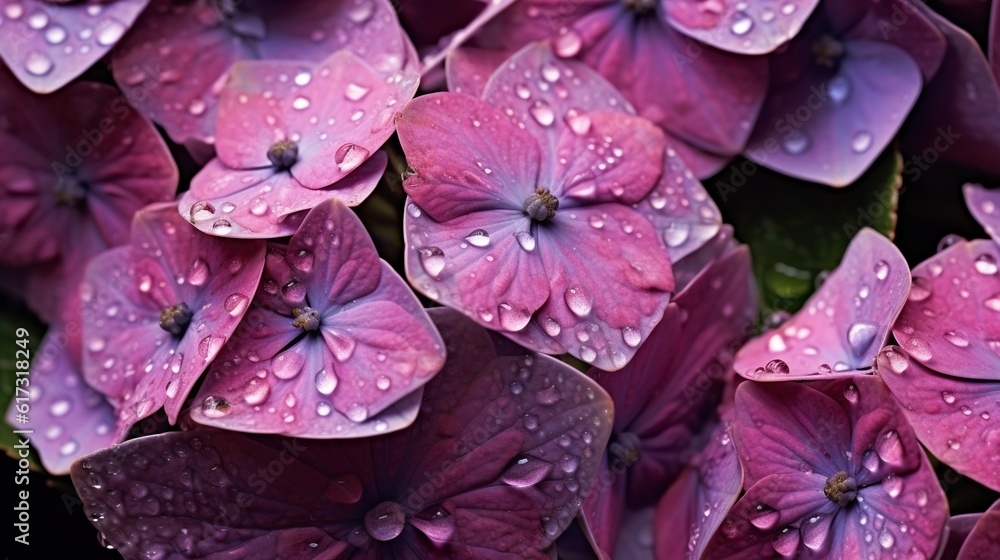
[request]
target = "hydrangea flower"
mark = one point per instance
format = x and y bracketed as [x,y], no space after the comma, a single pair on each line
[336,344]
[291,136]
[546,211]
[156,312]
[47,43]
[844,324]
[495,466]
[77,164]
[832,470]
[983,541]
[705,99]
[841,91]
[176,62]
[664,396]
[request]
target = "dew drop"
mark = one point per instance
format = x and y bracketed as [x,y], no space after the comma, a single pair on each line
[542,113]
[796,143]
[986,264]
[764,518]
[357,413]
[109,31]
[861,142]
[38,63]
[567,43]
[918,348]
[525,240]
[355,92]
[578,301]
[860,337]
[55,35]
[432,259]
[881,270]
[839,89]
[222,226]
[478,238]
[742,24]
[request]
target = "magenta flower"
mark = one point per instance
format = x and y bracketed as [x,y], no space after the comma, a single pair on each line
[983,540]
[177,60]
[705,99]
[664,396]
[832,470]
[841,91]
[495,466]
[336,344]
[290,137]
[77,164]
[47,43]
[158,311]
[537,210]
[844,324]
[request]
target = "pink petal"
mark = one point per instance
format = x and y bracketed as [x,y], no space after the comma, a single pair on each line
[759,28]
[983,205]
[263,203]
[843,325]
[680,209]
[484,263]
[467,155]
[46,45]
[984,540]
[456,39]
[703,494]
[950,323]
[68,418]
[832,132]
[171,40]
[601,298]
[468,68]
[337,113]
[955,418]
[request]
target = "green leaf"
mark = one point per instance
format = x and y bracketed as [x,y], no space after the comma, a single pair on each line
[798,230]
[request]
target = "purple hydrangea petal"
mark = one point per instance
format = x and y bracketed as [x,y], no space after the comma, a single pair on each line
[955,418]
[171,40]
[956,117]
[623,258]
[484,444]
[958,529]
[904,23]
[983,203]
[843,325]
[704,494]
[371,346]
[984,539]
[680,209]
[758,28]
[46,44]
[263,203]
[69,419]
[479,263]
[337,113]
[449,44]
[488,162]
[468,68]
[128,355]
[852,114]
[951,322]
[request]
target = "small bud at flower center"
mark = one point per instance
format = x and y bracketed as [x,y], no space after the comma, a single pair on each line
[306,318]
[828,51]
[70,191]
[175,319]
[541,205]
[841,489]
[625,448]
[640,6]
[283,154]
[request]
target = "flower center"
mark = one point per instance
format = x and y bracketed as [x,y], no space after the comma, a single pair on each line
[541,205]
[70,191]
[306,318]
[283,154]
[841,489]
[640,6]
[385,521]
[828,51]
[625,448]
[175,319]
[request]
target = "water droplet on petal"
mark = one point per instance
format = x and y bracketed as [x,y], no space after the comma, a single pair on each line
[860,337]
[222,226]
[355,92]
[881,270]
[256,392]
[567,43]
[478,238]
[109,31]
[631,336]
[357,413]
[542,113]
[861,141]
[432,259]
[764,517]
[38,63]
[55,35]
[525,240]
[676,233]
[889,447]
[742,24]
[918,348]
[986,264]
[513,318]
[839,88]
[325,382]
[578,301]
[796,143]
[526,471]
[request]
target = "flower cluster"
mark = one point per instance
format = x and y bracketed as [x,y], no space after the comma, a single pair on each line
[318,279]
